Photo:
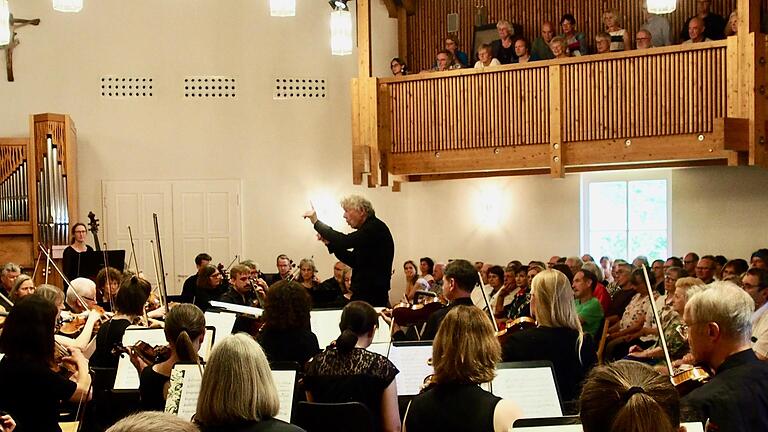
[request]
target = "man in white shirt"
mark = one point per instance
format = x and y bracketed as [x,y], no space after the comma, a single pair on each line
[755,282]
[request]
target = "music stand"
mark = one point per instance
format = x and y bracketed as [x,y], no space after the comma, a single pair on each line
[91,262]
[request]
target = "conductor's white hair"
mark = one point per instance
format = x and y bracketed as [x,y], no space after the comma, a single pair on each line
[357,202]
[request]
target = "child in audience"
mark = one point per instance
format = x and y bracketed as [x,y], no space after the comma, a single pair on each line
[485,54]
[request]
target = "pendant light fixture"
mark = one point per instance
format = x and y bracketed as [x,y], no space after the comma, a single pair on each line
[341,29]
[659,7]
[5,23]
[68,5]
[282,8]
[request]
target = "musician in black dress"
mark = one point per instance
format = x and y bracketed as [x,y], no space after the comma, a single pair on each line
[73,254]
[369,250]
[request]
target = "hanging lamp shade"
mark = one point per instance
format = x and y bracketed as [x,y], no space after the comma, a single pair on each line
[68,5]
[282,8]
[341,31]
[5,23]
[659,7]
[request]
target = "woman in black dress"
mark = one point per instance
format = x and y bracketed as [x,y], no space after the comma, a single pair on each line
[347,372]
[73,253]
[286,334]
[464,354]
[31,390]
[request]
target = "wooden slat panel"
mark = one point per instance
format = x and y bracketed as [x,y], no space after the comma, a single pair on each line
[428,26]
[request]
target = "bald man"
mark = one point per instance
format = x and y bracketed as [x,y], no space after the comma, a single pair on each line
[696,31]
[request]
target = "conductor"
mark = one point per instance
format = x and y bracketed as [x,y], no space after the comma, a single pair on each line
[369,250]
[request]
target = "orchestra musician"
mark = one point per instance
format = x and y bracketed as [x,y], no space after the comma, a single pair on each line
[107,283]
[153,421]
[284,266]
[369,250]
[22,287]
[240,291]
[31,390]
[190,284]
[56,296]
[9,274]
[86,289]
[74,252]
[210,286]
[459,280]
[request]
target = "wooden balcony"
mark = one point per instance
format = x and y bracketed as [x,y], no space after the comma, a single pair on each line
[684,105]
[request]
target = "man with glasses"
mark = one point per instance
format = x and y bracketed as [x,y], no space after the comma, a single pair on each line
[718,327]
[705,269]
[689,262]
[755,282]
[657,28]
[86,289]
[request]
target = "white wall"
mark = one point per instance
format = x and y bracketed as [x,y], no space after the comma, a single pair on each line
[287,152]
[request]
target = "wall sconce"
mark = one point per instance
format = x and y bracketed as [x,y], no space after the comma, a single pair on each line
[341,28]
[5,23]
[282,8]
[68,5]
[659,7]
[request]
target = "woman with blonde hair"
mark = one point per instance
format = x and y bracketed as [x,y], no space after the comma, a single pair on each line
[558,336]
[464,355]
[619,36]
[22,287]
[238,393]
[629,397]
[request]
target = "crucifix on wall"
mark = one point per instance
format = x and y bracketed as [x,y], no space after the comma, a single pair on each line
[15,23]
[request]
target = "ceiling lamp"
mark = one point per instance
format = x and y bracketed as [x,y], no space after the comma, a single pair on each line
[68,5]
[659,7]
[5,23]
[341,29]
[282,8]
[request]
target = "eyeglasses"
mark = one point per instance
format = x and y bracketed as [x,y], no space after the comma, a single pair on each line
[644,38]
[670,278]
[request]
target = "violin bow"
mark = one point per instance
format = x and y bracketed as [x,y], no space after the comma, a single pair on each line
[157,271]
[133,252]
[485,298]
[161,275]
[64,278]
[106,273]
[657,319]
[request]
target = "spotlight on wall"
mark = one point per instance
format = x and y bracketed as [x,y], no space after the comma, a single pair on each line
[341,28]
[5,23]
[282,8]
[68,5]
[659,7]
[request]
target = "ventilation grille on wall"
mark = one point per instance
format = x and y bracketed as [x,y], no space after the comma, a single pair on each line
[206,87]
[299,88]
[119,87]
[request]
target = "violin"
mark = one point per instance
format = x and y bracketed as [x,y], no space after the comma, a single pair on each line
[508,327]
[59,365]
[147,353]
[407,314]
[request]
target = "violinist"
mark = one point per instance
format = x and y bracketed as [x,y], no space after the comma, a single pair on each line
[22,287]
[308,279]
[8,276]
[284,266]
[240,290]
[286,334]
[74,252]
[86,289]
[32,390]
[210,286]
[56,296]
[129,307]
[717,323]
[256,275]
[333,287]
[107,283]
[184,331]
[190,284]
[459,281]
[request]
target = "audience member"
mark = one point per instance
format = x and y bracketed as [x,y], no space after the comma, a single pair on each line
[734,267]
[657,27]
[643,39]
[718,326]
[459,281]
[697,31]
[504,47]
[464,355]
[452,46]
[485,57]
[689,263]
[540,49]
[732,26]
[575,42]
[346,371]
[153,421]
[574,263]
[599,290]
[630,397]
[490,292]
[522,51]
[602,43]
[711,24]
[759,259]
[587,258]
[444,61]
[398,67]
[558,338]
[636,324]
[640,261]
[587,306]
[238,393]
[559,50]
[606,265]
[619,36]
[705,269]
[657,267]
[286,334]
[755,283]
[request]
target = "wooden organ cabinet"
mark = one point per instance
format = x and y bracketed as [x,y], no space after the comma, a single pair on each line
[38,189]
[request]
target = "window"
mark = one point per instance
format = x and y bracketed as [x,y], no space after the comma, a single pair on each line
[624,216]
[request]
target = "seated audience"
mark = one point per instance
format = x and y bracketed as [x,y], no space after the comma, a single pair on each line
[32,390]
[575,42]
[413,282]
[460,279]
[540,49]
[464,355]
[587,258]
[657,267]
[210,286]
[623,291]
[559,49]
[636,324]
[574,264]
[452,46]
[643,39]
[184,332]
[759,259]
[657,27]
[23,286]
[347,371]
[153,421]
[606,265]
[522,51]
[587,306]
[490,292]
[696,31]
[755,283]
[714,23]
[444,61]
[732,26]
[286,334]
[734,268]
[238,393]
[706,269]
[640,261]
[398,67]
[485,57]
[689,263]
[503,48]
[718,327]
[619,36]
[630,397]
[558,338]
[600,293]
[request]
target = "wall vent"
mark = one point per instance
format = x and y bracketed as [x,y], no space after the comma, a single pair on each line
[299,88]
[122,87]
[207,87]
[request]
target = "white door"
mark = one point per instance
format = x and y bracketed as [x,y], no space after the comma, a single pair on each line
[132,203]
[206,218]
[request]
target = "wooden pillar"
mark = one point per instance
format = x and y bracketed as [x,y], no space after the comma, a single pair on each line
[752,79]
[556,164]
[364,39]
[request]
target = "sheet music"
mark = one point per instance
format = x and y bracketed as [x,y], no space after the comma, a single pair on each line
[382,333]
[223,322]
[379,348]
[184,391]
[412,362]
[238,308]
[690,427]
[127,377]
[285,381]
[325,325]
[532,389]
